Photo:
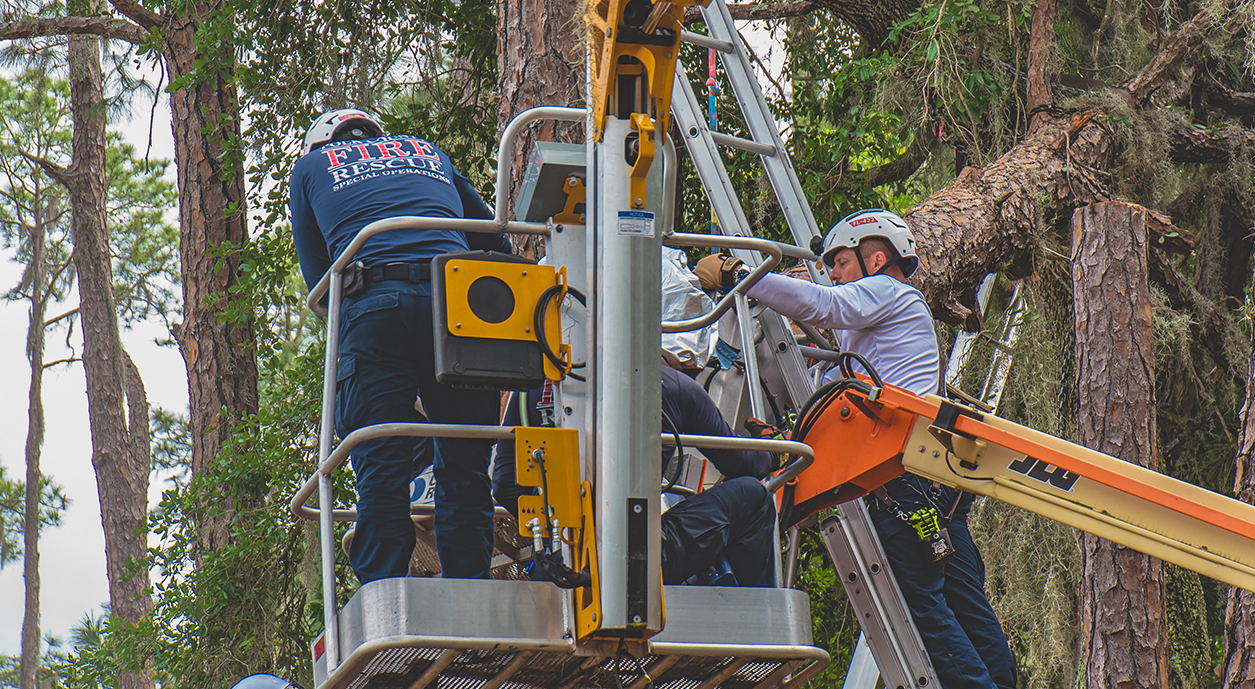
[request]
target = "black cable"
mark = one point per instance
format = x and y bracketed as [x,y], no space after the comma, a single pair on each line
[538,324]
[618,663]
[970,478]
[679,452]
[819,402]
[544,492]
[549,563]
[713,364]
[771,401]
[843,363]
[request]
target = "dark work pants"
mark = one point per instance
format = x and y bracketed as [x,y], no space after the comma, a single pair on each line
[733,519]
[386,361]
[959,629]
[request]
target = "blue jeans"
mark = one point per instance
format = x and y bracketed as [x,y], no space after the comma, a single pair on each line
[733,519]
[959,629]
[386,362]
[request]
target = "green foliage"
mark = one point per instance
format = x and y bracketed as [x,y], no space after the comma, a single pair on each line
[446,89]
[31,203]
[834,626]
[1190,654]
[247,595]
[958,58]
[52,502]
[143,243]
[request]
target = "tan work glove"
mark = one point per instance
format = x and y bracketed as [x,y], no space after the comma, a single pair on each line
[717,271]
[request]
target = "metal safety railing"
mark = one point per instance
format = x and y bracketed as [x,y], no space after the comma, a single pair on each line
[775,250]
[330,286]
[450,430]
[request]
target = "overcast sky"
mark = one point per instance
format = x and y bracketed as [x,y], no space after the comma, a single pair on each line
[72,559]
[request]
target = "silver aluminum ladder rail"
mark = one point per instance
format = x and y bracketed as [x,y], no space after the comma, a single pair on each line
[889,633]
[1003,345]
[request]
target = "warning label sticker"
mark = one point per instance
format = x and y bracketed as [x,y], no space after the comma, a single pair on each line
[636,223]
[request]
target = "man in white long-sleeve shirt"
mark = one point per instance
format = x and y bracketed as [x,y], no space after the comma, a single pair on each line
[876,313]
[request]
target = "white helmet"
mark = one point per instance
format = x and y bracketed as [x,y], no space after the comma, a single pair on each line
[326,127]
[872,222]
[264,681]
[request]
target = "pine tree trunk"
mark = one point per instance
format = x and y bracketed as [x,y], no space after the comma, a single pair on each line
[1238,668]
[28,665]
[121,470]
[539,53]
[1123,622]
[218,350]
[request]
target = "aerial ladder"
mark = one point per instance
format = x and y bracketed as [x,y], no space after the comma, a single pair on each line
[600,463]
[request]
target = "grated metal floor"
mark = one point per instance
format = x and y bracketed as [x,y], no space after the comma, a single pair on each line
[400,668]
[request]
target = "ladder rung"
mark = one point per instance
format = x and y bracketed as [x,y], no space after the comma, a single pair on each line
[743,144]
[706,41]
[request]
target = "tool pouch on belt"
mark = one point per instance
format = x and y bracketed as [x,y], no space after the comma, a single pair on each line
[926,523]
[354,280]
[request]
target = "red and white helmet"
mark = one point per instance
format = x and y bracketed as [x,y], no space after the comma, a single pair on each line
[872,222]
[329,124]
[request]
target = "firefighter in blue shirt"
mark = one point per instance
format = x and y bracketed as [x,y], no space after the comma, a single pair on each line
[353,174]
[869,255]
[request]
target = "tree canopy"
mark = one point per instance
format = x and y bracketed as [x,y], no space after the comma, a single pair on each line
[987,125]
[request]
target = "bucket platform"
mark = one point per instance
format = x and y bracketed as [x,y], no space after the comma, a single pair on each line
[417,633]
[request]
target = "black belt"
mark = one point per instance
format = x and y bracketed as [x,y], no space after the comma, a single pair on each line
[412,272]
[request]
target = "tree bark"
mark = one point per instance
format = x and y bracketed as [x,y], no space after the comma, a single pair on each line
[1123,621]
[121,468]
[871,19]
[1238,667]
[218,350]
[28,665]
[540,57]
[1000,207]
[217,347]
[1041,39]
[99,26]
[1060,166]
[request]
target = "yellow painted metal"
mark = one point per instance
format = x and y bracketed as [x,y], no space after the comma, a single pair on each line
[1129,516]
[570,502]
[526,280]
[612,56]
[576,195]
[644,158]
[553,333]
[588,618]
[559,478]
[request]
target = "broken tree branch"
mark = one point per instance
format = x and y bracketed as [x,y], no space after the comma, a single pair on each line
[1180,45]
[58,173]
[1190,144]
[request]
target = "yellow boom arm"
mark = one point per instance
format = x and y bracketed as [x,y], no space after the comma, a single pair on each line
[860,443]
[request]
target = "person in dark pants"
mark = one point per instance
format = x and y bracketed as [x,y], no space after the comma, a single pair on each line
[733,519]
[947,602]
[878,314]
[353,174]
